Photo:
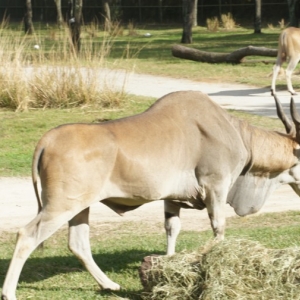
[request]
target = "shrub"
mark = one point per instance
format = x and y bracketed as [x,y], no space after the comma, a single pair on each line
[282,24]
[33,77]
[212,24]
[227,21]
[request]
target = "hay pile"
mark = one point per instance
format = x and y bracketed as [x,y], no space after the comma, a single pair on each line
[233,269]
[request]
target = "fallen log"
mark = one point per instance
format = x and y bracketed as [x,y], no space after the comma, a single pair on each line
[235,57]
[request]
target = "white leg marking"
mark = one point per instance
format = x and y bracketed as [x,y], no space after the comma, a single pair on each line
[172,225]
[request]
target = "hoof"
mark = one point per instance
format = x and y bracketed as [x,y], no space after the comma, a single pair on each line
[112,287]
[3,297]
[273,93]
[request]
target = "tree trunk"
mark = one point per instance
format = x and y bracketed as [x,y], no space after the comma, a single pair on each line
[60,19]
[28,18]
[188,14]
[234,57]
[220,8]
[294,12]
[160,11]
[195,16]
[107,15]
[75,7]
[257,19]
[140,11]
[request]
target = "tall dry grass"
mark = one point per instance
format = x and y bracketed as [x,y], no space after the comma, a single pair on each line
[227,22]
[43,70]
[212,24]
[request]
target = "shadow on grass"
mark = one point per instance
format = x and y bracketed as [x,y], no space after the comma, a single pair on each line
[131,294]
[41,268]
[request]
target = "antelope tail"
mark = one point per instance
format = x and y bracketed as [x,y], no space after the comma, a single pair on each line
[282,42]
[35,173]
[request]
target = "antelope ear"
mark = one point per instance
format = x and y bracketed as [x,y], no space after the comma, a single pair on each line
[283,117]
[296,119]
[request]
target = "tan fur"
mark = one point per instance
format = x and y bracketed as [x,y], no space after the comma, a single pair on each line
[271,152]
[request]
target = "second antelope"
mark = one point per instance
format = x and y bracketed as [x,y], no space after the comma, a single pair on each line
[288,49]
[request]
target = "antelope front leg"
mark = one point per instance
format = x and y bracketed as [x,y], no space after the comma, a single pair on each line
[215,209]
[79,244]
[172,225]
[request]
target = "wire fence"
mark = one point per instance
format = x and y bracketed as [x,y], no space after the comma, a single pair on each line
[143,11]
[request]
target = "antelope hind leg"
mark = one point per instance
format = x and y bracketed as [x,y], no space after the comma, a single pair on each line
[29,237]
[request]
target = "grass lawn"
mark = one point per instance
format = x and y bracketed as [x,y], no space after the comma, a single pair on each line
[153,54]
[20,132]
[118,249]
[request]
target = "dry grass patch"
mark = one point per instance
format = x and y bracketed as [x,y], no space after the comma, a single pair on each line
[233,269]
[212,24]
[43,71]
[228,22]
[57,87]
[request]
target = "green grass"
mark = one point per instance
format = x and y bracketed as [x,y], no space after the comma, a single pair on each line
[153,55]
[55,273]
[20,132]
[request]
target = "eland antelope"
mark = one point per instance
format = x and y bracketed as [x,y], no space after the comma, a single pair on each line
[185,149]
[288,48]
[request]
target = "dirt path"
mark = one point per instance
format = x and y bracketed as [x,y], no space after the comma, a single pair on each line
[18,206]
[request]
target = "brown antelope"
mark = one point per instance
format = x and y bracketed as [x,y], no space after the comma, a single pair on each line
[288,48]
[185,149]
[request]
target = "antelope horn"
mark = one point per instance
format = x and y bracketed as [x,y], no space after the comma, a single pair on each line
[283,117]
[296,119]
[294,112]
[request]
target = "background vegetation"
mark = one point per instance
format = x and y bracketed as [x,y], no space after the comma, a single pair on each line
[30,105]
[24,84]
[149,11]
